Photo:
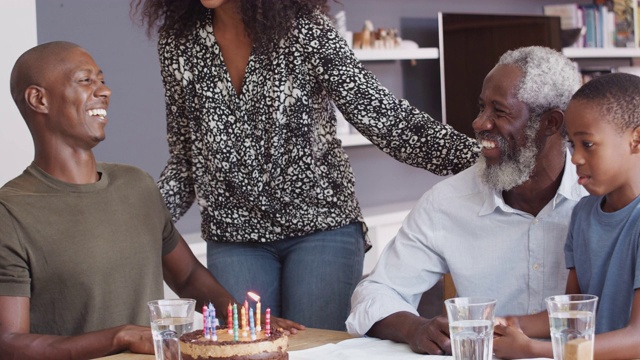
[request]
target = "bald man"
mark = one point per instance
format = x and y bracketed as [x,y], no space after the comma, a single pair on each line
[84,245]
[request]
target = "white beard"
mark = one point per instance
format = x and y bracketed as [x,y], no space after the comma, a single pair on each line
[516,165]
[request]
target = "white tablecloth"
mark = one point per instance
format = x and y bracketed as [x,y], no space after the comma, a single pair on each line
[362,348]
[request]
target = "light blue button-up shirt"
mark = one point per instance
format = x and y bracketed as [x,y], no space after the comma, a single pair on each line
[462,227]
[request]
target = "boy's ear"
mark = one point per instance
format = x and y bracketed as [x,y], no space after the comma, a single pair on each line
[635,141]
[35,98]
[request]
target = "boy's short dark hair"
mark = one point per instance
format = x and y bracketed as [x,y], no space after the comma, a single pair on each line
[618,97]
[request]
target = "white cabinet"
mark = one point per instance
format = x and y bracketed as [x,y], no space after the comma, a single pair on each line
[199,249]
[384,223]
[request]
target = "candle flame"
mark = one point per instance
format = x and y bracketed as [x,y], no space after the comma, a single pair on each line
[254,296]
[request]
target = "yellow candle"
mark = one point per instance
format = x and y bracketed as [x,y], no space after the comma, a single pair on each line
[256,298]
[246,311]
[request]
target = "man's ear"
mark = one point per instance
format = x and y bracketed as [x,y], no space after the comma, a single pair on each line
[36,99]
[552,122]
[635,140]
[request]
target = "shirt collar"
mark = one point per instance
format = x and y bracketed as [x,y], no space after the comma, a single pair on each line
[568,189]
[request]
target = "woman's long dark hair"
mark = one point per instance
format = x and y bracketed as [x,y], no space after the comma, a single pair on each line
[266,21]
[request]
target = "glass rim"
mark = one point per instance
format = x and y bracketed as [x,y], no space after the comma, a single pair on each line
[171,302]
[572,298]
[471,300]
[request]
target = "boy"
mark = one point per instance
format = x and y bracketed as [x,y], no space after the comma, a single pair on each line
[603,245]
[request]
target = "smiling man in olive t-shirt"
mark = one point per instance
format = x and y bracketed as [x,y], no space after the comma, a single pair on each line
[83,245]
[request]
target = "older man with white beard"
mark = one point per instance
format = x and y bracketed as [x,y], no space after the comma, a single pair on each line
[498,227]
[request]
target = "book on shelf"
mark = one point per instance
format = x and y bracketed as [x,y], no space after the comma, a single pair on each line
[607,23]
[600,22]
[591,23]
[570,15]
[625,22]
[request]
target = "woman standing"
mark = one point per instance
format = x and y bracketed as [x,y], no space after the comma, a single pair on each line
[252,138]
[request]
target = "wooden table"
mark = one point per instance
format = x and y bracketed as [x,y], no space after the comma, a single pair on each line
[302,340]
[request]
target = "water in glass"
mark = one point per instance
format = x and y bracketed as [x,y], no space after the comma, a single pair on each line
[165,333]
[472,339]
[568,325]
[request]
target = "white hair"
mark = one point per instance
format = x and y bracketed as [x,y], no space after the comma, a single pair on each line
[549,78]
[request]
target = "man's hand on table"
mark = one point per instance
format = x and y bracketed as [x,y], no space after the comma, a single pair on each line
[289,325]
[424,336]
[136,339]
[431,337]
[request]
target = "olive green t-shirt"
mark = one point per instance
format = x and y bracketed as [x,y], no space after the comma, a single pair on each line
[88,256]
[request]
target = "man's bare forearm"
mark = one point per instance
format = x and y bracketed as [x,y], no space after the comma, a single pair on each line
[85,346]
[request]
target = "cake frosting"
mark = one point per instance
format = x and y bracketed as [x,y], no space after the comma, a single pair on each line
[194,346]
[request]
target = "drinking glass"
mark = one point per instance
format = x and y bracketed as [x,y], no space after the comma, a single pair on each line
[471,327]
[572,322]
[170,318]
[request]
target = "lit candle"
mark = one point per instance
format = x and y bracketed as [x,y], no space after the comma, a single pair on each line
[235,322]
[267,323]
[255,297]
[205,311]
[230,319]
[252,325]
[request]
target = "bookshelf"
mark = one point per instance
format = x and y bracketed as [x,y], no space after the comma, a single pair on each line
[397,54]
[601,53]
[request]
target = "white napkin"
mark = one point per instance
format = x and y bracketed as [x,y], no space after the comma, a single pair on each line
[364,348]
[361,348]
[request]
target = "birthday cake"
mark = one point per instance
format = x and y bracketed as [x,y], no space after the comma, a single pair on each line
[194,346]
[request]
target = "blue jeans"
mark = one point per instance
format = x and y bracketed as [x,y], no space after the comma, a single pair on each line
[308,279]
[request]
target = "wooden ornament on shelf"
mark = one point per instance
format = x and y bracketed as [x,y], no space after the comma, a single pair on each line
[371,38]
[363,39]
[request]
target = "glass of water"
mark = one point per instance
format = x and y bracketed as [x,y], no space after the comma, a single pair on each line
[471,327]
[170,318]
[572,321]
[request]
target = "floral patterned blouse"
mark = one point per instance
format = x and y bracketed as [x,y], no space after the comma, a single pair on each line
[267,164]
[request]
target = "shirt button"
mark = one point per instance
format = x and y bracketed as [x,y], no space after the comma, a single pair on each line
[535,221]
[536,266]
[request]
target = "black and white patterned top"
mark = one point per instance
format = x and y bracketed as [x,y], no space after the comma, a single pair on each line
[266,164]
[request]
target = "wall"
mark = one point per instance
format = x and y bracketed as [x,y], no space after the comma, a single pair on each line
[136,131]
[18,29]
